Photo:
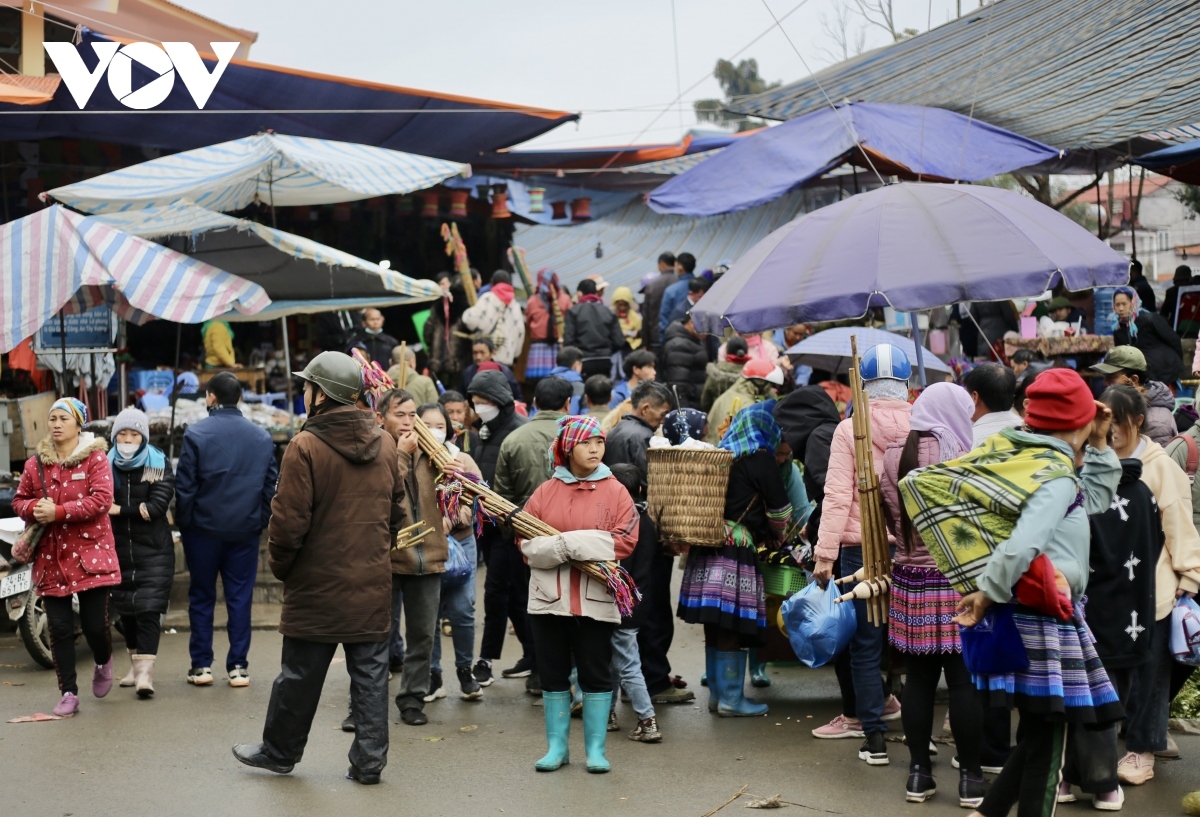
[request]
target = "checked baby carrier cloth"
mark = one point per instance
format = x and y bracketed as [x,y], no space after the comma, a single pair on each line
[964,508]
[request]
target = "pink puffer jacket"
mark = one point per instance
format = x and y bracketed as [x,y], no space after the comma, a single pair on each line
[839,514]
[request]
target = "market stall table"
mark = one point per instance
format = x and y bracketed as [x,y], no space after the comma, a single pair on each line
[254,379]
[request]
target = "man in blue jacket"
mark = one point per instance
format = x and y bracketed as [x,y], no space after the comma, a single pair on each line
[685,265]
[223,488]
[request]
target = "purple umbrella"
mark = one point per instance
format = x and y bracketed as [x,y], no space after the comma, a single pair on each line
[911,246]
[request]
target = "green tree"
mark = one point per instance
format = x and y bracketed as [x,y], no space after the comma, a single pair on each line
[1189,196]
[736,81]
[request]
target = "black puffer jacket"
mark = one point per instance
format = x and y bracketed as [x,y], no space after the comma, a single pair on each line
[684,364]
[144,548]
[593,329]
[494,387]
[1158,343]
[808,417]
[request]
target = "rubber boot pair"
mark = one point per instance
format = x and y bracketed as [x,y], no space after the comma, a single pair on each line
[143,675]
[128,680]
[557,709]
[730,682]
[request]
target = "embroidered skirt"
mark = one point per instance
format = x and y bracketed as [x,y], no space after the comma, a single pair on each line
[723,586]
[543,357]
[1065,676]
[922,609]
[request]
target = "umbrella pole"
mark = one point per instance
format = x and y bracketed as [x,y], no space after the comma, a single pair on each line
[62,336]
[287,351]
[174,392]
[916,335]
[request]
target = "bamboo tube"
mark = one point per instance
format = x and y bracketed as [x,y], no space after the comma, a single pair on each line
[876,559]
[403,364]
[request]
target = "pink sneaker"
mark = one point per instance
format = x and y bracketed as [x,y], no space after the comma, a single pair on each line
[102,678]
[840,727]
[68,706]
[891,709]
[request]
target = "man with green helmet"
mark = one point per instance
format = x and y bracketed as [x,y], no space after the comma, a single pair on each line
[337,510]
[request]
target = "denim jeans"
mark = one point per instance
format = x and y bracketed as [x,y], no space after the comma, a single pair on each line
[458,605]
[866,655]
[627,673]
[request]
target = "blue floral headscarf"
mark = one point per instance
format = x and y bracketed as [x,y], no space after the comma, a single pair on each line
[753,427]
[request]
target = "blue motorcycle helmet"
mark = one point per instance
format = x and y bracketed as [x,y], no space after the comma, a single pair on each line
[885,362]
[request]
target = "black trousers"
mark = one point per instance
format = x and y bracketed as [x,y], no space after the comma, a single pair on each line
[93,618]
[966,714]
[1031,776]
[997,736]
[142,631]
[296,694]
[505,596]
[657,629]
[566,641]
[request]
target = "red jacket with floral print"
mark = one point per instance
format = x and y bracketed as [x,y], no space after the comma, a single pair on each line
[76,551]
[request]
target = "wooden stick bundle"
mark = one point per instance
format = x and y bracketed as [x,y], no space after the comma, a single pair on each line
[411,536]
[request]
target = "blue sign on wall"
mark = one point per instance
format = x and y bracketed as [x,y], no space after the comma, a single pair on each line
[94,329]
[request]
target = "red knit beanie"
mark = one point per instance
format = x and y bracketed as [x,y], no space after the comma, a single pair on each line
[1059,400]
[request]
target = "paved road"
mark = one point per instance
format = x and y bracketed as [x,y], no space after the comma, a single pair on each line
[170,756]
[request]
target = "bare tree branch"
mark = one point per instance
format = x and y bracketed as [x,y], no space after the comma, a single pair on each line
[849,43]
[1061,204]
[879,13]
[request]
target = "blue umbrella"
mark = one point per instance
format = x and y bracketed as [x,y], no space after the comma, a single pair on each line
[830,350]
[904,140]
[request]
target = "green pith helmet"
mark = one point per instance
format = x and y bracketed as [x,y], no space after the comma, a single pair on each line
[335,374]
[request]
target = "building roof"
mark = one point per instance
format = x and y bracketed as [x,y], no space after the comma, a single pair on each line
[1070,73]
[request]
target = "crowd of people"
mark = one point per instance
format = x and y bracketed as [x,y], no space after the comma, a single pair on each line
[555,406]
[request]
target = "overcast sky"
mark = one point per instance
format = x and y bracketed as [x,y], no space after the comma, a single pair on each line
[579,55]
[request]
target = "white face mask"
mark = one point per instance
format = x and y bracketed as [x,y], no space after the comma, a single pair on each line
[127,450]
[487,413]
[438,434]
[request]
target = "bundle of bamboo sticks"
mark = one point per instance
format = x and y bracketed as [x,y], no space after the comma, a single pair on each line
[875,577]
[411,536]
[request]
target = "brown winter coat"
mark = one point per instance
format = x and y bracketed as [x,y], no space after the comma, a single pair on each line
[334,517]
[420,476]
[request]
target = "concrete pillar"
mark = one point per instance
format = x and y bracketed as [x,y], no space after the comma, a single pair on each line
[33,34]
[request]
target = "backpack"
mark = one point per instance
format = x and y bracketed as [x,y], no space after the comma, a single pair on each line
[1193,455]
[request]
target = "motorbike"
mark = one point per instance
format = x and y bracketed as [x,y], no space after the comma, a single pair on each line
[20,602]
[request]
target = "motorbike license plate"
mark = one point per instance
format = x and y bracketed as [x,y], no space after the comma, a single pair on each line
[18,582]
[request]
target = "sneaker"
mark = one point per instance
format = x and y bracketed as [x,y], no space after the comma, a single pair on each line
[414,717]
[436,690]
[1109,801]
[874,750]
[1065,795]
[971,790]
[891,709]
[471,691]
[239,677]
[102,678]
[521,669]
[533,685]
[613,725]
[446,628]
[647,731]
[840,727]
[200,676]
[483,673]
[1172,750]
[985,769]
[1136,768]
[67,706]
[673,695]
[920,786]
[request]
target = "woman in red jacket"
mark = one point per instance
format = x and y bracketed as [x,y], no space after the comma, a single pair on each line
[573,616]
[67,486]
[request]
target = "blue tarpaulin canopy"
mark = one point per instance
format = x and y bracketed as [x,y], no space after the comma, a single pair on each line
[903,140]
[1178,161]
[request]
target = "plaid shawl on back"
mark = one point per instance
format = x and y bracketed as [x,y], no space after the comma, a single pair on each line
[964,508]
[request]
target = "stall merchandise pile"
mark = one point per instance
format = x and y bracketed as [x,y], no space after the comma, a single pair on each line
[189,411]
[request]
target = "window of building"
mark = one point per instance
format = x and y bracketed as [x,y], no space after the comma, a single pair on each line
[1164,240]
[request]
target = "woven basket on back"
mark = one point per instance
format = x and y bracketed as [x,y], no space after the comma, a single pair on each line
[686,495]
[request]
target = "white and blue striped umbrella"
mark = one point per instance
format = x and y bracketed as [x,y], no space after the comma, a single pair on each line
[830,349]
[268,167]
[56,259]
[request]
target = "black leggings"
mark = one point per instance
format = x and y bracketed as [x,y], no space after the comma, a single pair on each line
[1031,776]
[966,714]
[563,640]
[93,617]
[141,632]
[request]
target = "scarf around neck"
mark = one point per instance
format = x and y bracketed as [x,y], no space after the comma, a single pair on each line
[152,461]
[504,292]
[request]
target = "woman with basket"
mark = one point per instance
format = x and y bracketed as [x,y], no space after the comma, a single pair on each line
[65,494]
[723,587]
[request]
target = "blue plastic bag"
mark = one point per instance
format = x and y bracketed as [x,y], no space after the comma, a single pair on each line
[818,629]
[458,566]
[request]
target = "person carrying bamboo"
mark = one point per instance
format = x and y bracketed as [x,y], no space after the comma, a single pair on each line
[884,371]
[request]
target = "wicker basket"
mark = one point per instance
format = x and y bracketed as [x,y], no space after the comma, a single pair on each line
[686,494]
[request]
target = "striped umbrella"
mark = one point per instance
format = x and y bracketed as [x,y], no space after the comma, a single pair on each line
[286,171]
[56,259]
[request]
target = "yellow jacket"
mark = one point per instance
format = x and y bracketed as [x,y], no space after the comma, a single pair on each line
[218,344]
[1179,563]
[631,324]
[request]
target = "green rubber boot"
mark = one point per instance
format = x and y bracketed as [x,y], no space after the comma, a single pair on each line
[595,729]
[710,670]
[731,680]
[758,670]
[557,707]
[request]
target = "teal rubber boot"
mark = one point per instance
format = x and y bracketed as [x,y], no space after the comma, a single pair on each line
[557,707]
[731,680]
[710,671]
[758,671]
[595,729]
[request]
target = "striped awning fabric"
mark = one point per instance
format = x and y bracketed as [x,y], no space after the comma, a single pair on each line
[268,167]
[55,258]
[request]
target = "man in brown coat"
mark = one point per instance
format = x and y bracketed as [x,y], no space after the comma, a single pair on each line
[337,510]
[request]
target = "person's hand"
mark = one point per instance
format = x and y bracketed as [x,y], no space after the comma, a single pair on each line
[1180,593]
[447,526]
[1098,436]
[823,572]
[971,609]
[408,442]
[144,511]
[114,511]
[44,511]
[785,363]
[1061,583]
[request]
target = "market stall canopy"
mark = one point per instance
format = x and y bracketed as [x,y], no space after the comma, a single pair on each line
[1031,66]
[267,167]
[910,246]
[56,259]
[299,274]
[1180,162]
[302,103]
[830,349]
[896,140]
[616,156]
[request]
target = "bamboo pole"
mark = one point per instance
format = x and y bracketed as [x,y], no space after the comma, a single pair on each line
[403,364]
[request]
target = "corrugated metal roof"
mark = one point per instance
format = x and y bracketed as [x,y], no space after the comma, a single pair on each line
[632,237]
[1071,73]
